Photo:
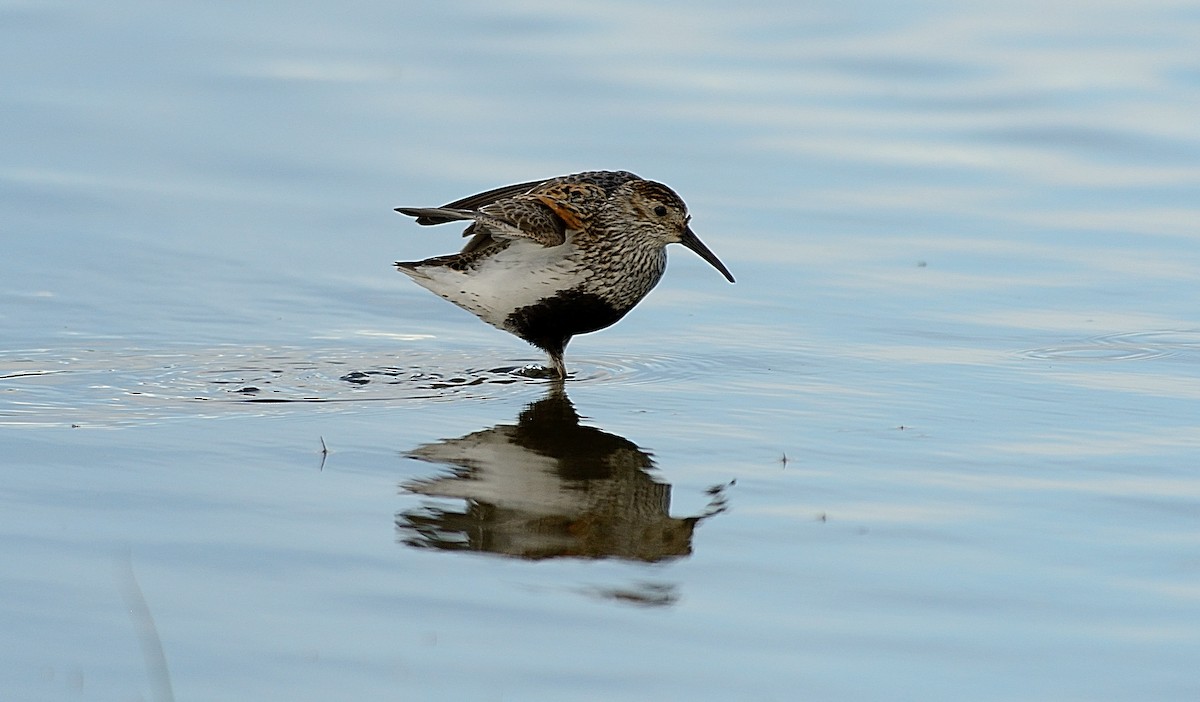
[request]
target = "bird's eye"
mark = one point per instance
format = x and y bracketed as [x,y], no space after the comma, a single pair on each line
[661,211]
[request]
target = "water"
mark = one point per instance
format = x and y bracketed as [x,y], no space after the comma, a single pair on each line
[938,442]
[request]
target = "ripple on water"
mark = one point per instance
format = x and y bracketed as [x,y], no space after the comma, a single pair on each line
[1125,346]
[118,385]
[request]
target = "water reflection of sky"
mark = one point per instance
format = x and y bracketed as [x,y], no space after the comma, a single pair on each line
[954,384]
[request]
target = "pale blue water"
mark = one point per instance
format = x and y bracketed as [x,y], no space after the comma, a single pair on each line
[939,442]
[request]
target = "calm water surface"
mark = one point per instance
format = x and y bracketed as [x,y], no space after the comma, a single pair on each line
[939,442]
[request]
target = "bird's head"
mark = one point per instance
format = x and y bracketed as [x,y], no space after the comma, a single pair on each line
[664,217]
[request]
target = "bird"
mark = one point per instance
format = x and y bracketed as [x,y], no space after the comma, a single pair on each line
[549,259]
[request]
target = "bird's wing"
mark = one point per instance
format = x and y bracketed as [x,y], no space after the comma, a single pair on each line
[503,221]
[607,180]
[539,210]
[548,211]
[477,201]
[572,201]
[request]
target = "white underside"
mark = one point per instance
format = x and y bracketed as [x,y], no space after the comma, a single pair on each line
[518,276]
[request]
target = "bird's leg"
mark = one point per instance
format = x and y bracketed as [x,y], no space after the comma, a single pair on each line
[556,363]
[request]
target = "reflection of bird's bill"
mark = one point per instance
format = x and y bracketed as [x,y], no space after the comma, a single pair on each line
[690,240]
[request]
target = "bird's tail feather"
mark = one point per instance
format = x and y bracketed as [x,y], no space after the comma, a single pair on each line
[437,215]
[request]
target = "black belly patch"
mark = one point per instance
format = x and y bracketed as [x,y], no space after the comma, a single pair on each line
[550,323]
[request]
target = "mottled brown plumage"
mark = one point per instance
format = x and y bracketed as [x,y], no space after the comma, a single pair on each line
[550,259]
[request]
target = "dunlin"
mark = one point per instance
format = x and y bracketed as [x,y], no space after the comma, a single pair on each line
[550,259]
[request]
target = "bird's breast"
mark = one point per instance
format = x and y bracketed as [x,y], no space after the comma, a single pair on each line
[562,315]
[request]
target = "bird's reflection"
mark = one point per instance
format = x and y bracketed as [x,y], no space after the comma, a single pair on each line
[547,487]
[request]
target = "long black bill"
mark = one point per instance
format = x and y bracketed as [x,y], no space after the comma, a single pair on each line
[690,240]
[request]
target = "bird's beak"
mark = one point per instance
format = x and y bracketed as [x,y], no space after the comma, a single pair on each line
[690,240]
